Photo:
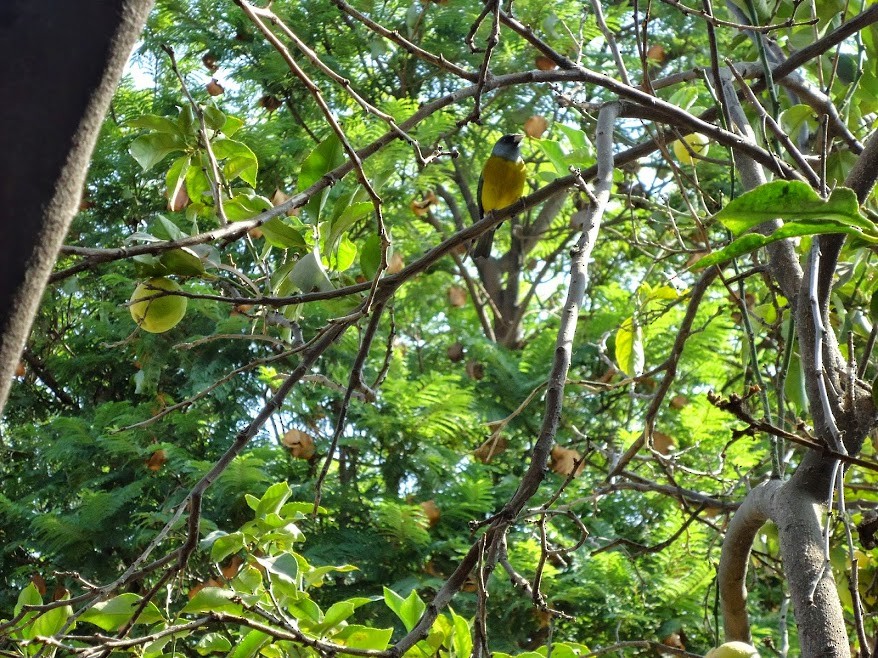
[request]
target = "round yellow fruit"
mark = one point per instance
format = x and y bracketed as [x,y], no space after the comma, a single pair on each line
[733,650]
[696,141]
[157,314]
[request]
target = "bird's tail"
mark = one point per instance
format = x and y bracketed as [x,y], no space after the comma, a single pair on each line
[483,246]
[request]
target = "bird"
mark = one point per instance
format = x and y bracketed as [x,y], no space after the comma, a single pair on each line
[500,185]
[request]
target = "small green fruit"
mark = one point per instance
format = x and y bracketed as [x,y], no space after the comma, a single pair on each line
[697,142]
[157,314]
[733,650]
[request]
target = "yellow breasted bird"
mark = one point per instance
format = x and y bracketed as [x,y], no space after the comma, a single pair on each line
[501,184]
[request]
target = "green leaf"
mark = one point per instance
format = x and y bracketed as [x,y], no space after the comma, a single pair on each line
[370,256]
[241,166]
[306,611]
[213,643]
[52,621]
[362,637]
[214,117]
[240,160]
[344,255]
[790,201]
[273,499]
[186,123]
[794,386]
[197,183]
[183,261]
[113,614]
[461,640]
[250,645]
[286,535]
[299,509]
[155,123]
[577,138]
[284,566]
[248,579]
[629,348]
[151,149]
[314,577]
[345,220]
[753,241]
[242,206]
[408,609]
[569,650]
[30,595]
[796,116]
[176,176]
[281,235]
[231,126]
[341,610]
[155,649]
[555,154]
[165,229]
[224,546]
[308,274]
[325,157]
[218,599]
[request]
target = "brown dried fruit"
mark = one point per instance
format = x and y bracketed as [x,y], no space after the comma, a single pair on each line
[535,126]
[475,370]
[543,63]
[422,206]
[20,370]
[455,352]
[39,582]
[300,445]
[486,452]
[564,461]
[456,296]
[86,203]
[431,511]
[396,264]
[674,641]
[231,568]
[278,197]
[255,232]
[608,375]
[214,88]
[270,103]
[656,53]
[210,62]
[662,443]
[431,570]
[157,460]
[679,401]
[543,617]
[180,200]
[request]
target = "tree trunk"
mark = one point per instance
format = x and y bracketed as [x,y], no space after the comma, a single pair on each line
[60,63]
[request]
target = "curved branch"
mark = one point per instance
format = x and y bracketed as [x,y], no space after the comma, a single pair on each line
[750,517]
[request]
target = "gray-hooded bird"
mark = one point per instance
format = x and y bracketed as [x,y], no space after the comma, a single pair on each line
[501,184]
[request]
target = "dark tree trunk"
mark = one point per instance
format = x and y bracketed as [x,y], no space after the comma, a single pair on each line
[60,62]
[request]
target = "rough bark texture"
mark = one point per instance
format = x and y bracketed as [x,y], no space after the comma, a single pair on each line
[798,506]
[60,63]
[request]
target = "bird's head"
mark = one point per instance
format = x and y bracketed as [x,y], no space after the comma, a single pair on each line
[508,147]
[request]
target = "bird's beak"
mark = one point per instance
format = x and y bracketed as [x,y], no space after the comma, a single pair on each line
[517,138]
